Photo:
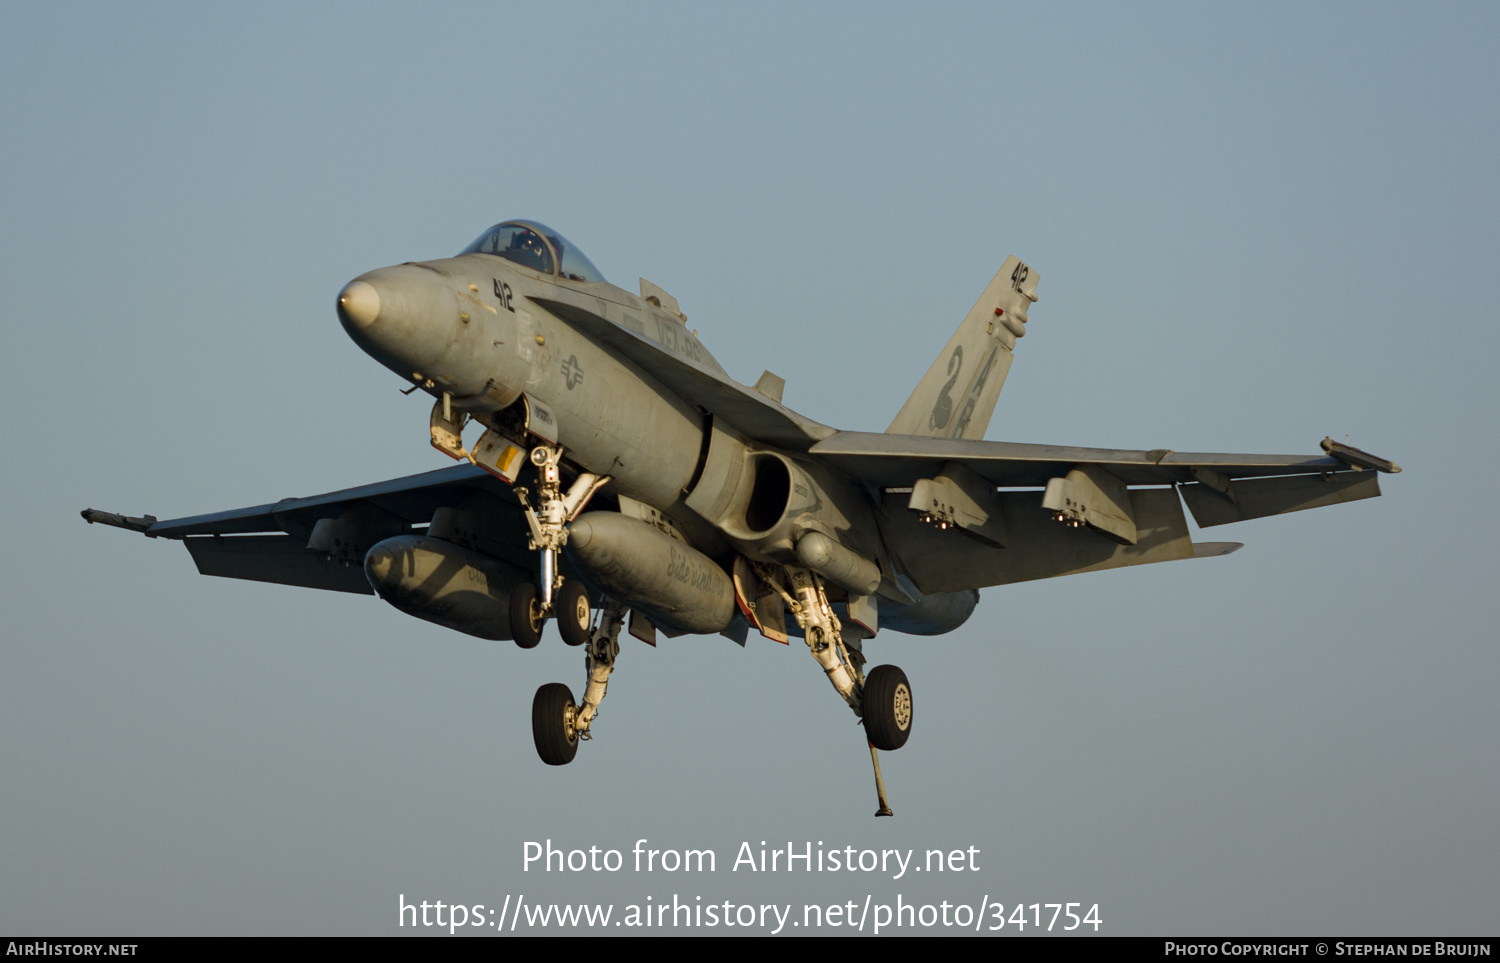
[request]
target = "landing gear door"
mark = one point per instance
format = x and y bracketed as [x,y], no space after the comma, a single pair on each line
[446,427]
[761,605]
[499,456]
[540,420]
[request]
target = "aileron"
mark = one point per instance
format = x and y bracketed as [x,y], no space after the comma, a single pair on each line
[1260,497]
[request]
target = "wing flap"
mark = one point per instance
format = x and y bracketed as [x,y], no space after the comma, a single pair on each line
[945,561]
[1259,497]
[282,559]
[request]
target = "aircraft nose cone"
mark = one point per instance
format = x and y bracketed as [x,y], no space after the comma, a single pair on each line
[406,316]
[359,303]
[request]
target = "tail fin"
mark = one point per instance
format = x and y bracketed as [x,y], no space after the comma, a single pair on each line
[957,396]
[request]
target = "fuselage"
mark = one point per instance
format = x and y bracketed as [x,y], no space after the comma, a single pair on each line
[472,326]
[493,333]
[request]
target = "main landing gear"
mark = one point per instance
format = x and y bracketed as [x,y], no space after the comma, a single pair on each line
[881,699]
[557,725]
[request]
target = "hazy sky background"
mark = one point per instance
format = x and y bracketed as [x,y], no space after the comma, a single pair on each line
[1254,225]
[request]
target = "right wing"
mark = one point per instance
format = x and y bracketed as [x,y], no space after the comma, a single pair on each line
[321,541]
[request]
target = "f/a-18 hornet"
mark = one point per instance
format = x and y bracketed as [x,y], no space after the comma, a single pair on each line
[622,477]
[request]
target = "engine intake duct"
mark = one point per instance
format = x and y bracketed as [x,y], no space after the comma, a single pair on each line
[765,502]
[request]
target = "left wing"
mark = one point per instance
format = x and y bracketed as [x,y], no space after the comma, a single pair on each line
[936,487]
[1218,488]
[897,459]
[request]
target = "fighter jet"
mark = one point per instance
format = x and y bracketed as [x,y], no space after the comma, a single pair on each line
[621,478]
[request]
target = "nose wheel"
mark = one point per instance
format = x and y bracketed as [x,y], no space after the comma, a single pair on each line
[532,604]
[528,615]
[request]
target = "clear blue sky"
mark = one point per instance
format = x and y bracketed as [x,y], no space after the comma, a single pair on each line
[1255,226]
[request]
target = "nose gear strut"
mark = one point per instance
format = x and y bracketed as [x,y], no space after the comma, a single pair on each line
[531,605]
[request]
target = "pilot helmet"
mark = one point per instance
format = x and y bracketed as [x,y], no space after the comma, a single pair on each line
[526,242]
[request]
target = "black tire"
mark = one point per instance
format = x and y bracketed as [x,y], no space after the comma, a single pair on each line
[574,613]
[887,707]
[556,740]
[525,615]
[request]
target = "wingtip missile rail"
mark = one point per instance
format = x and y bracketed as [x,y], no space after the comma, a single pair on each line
[1357,459]
[132,523]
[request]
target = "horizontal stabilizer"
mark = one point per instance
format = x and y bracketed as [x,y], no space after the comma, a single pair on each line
[1215,549]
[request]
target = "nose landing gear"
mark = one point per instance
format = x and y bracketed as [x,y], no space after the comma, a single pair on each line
[531,605]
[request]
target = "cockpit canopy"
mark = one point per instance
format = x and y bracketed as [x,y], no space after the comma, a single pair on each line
[534,245]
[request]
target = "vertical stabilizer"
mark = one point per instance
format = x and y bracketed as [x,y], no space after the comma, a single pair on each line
[956,397]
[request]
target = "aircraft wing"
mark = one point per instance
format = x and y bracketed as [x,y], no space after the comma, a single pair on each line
[1218,488]
[752,413]
[897,460]
[1015,535]
[319,541]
